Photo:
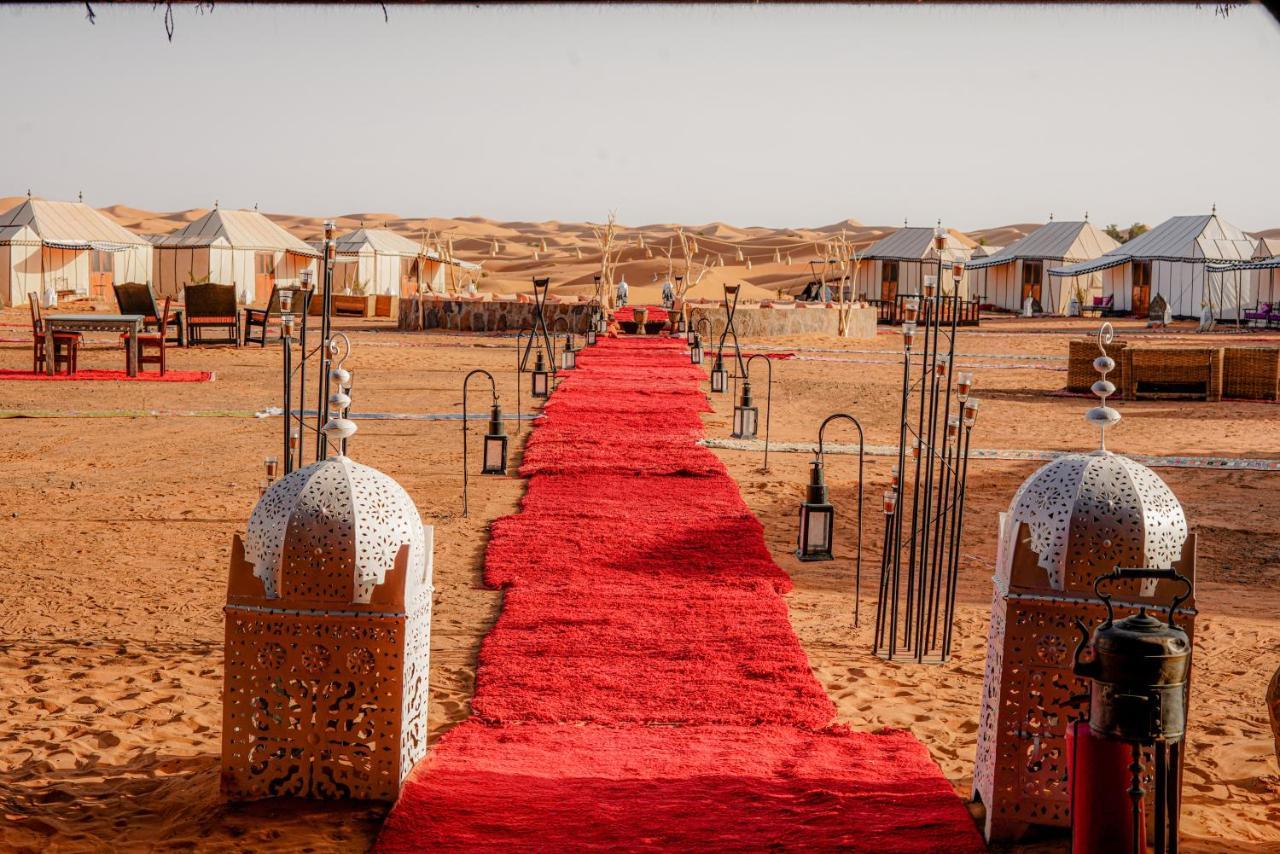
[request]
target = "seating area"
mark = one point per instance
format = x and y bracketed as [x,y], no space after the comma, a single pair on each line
[1266,315]
[1100,306]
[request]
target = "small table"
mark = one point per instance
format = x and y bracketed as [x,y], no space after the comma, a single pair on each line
[130,324]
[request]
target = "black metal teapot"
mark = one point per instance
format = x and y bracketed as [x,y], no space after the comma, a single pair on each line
[1139,669]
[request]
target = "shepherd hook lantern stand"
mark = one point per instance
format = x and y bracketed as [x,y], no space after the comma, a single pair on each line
[494,457]
[696,351]
[920,562]
[746,416]
[817,515]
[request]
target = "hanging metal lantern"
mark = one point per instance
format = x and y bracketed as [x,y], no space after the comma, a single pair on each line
[540,384]
[817,517]
[495,444]
[719,376]
[568,356]
[695,349]
[745,415]
[591,334]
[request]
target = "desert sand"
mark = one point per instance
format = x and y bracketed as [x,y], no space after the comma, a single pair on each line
[121,500]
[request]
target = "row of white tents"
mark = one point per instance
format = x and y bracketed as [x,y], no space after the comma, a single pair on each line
[74,249]
[1193,262]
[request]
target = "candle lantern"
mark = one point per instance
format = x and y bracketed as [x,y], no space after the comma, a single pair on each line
[957,270]
[745,415]
[910,309]
[964,384]
[940,238]
[540,385]
[817,518]
[326,649]
[495,443]
[568,355]
[1075,521]
[719,376]
[930,287]
[591,334]
[695,349]
[908,335]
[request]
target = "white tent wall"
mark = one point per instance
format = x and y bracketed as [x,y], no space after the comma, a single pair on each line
[174,267]
[135,264]
[1181,283]
[1264,285]
[910,277]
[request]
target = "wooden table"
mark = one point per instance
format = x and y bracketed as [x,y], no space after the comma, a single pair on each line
[130,324]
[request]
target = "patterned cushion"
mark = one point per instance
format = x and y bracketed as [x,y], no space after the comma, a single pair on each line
[228,319]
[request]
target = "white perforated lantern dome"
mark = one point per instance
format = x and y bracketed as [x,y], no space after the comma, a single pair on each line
[330,532]
[328,631]
[1087,514]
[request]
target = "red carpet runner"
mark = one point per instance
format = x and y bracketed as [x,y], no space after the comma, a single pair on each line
[643,688]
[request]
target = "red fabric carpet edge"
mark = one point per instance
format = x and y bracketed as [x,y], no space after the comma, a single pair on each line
[642,688]
[121,376]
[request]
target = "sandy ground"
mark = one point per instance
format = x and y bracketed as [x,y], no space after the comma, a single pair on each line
[117,533]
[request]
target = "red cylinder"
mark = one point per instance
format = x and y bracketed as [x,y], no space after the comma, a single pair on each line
[1101,809]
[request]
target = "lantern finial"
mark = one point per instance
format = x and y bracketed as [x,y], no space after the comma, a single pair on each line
[1102,415]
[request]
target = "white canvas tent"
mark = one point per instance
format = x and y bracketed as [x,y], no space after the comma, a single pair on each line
[70,247]
[1249,283]
[1007,278]
[1169,260]
[241,248]
[380,261]
[897,263]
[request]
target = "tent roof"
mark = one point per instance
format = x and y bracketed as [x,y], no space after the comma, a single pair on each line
[1180,238]
[912,244]
[1268,247]
[1066,241]
[382,240]
[1256,264]
[70,225]
[239,230]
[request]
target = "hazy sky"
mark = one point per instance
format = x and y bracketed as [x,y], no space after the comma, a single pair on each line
[753,115]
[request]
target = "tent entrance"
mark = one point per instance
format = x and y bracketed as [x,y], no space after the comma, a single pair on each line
[1140,295]
[264,276]
[888,280]
[101,273]
[1032,281]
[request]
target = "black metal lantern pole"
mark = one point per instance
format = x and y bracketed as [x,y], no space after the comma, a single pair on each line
[295,300]
[494,457]
[540,330]
[326,314]
[817,515]
[914,616]
[719,376]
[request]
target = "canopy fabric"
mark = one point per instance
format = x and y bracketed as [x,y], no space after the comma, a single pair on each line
[1263,264]
[239,230]
[65,225]
[1103,263]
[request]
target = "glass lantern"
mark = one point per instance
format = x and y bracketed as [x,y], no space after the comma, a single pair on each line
[495,443]
[695,350]
[970,412]
[817,518]
[540,384]
[568,356]
[964,384]
[719,376]
[745,415]
[286,296]
[591,334]
[910,309]
[940,238]
[957,270]
[930,287]
[908,335]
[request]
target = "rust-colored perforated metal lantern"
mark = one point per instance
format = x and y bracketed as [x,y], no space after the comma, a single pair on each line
[1074,520]
[328,623]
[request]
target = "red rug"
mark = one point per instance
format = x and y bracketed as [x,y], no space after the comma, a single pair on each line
[627,313]
[95,375]
[643,688]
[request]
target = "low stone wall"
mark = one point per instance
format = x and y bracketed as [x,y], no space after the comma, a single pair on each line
[758,322]
[429,311]
[426,311]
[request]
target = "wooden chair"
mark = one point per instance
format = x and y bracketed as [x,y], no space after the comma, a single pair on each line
[259,318]
[66,345]
[211,306]
[154,340]
[136,298]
